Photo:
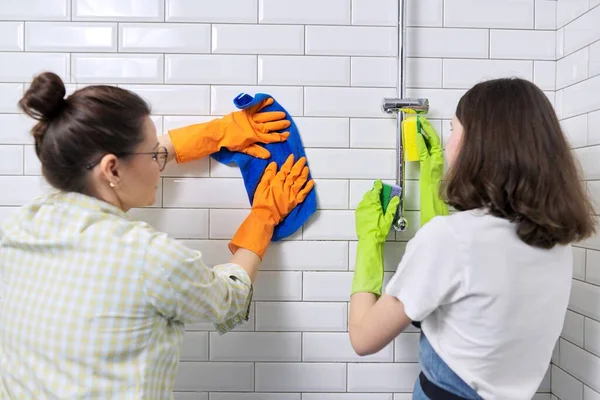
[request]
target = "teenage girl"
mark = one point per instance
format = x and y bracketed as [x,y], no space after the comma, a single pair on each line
[490,283]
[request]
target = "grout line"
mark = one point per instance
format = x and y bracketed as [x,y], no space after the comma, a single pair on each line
[490,44]
[210,38]
[91,52]
[585,253]
[567,372]
[304,39]
[200,22]
[443,13]
[573,20]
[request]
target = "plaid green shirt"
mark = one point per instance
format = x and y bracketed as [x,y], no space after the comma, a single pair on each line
[93,304]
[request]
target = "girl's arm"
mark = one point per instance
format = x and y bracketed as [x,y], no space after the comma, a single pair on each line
[375,323]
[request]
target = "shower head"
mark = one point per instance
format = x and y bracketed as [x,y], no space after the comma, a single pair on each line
[411,106]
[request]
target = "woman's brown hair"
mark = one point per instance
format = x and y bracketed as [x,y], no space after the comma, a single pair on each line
[70,132]
[515,161]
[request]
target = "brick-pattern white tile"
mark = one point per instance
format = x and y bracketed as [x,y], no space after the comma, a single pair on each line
[448,42]
[258,39]
[301,316]
[304,70]
[508,44]
[207,69]
[164,38]
[382,12]
[35,10]
[545,14]
[11,36]
[118,10]
[477,14]
[577,371]
[291,97]
[329,63]
[332,12]
[10,93]
[351,41]
[23,66]
[224,11]
[71,36]
[301,377]
[215,376]
[336,347]
[255,346]
[382,377]
[121,68]
[255,396]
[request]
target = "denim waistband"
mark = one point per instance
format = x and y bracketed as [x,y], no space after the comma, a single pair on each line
[440,374]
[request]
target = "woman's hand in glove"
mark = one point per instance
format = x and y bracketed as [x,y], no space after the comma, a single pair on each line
[238,131]
[277,194]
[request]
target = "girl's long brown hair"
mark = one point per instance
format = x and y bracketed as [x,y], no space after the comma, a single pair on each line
[515,161]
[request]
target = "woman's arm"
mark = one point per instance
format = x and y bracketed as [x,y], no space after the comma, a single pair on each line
[180,286]
[167,143]
[375,323]
[248,260]
[239,131]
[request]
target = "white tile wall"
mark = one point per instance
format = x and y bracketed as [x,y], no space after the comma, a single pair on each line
[71,36]
[329,63]
[164,38]
[579,260]
[517,14]
[116,10]
[11,36]
[577,371]
[36,10]
[309,12]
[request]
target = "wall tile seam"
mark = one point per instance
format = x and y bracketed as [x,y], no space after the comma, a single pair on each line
[576,18]
[587,46]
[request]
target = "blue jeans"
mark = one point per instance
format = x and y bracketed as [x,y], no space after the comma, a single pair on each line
[438,372]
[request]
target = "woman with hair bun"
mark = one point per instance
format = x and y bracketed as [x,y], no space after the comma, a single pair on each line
[93,303]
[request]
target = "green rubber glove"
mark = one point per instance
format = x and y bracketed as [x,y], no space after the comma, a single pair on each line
[431,161]
[372,228]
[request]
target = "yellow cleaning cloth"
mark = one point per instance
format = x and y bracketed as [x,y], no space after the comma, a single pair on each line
[410,129]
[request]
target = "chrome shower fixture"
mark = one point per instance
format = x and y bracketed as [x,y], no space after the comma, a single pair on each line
[409,106]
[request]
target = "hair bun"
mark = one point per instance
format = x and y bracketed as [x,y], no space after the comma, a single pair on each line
[45,98]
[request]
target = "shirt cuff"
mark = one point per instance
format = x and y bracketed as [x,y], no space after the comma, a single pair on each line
[409,310]
[240,280]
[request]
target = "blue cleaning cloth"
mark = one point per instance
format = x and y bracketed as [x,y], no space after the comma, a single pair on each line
[253,168]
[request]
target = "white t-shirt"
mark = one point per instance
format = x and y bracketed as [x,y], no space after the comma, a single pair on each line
[491,306]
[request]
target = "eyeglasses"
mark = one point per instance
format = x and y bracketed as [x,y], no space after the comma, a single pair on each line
[160,156]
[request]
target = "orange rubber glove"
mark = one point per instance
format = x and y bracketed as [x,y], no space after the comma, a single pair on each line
[237,131]
[277,194]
